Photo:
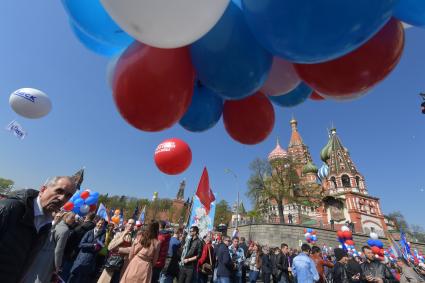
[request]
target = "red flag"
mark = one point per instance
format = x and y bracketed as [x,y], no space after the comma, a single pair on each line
[204,192]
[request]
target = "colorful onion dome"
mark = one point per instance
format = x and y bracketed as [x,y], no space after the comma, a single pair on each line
[323,172]
[325,153]
[310,168]
[278,152]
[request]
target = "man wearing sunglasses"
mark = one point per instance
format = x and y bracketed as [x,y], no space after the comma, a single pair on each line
[191,257]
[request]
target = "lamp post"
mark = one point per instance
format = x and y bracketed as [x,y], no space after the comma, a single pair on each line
[228,171]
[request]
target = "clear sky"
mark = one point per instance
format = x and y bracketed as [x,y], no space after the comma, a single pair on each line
[384,131]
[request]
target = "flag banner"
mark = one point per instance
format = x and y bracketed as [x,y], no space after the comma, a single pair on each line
[15,128]
[102,213]
[142,215]
[405,249]
[201,218]
[394,247]
[204,192]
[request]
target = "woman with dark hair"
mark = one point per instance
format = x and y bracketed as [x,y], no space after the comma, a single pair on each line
[143,255]
[254,263]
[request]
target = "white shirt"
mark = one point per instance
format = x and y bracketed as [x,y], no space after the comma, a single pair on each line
[40,219]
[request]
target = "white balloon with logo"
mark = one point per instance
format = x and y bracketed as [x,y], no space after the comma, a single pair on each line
[165,23]
[30,103]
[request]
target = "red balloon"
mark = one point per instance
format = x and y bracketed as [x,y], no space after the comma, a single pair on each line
[340,234]
[375,250]
[93,208]
[153,87]
[84,194]
[347,234]
[173,156]
[316,96]
[349,242]
[314,232]
[68,206]
[359,70]
[249,120]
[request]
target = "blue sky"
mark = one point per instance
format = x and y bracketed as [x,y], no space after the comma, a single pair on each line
[384,130]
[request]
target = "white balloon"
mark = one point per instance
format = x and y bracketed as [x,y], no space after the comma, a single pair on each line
[307,235]
[345,228]
[374,236]
[84,209]
[30,103]
[165,23]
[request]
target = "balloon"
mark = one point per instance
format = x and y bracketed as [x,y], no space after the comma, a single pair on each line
[94,194]
[379,244]
[76,209]
[84,195]
[345,228]
[340,234]
[84,209]
[30,103]
[313,232]
[115,219]
[411,12]
[91,200]
[359,70]
[78,202]
[309,230]
[117,212]
[68,206]
[308,239]
[375,250]
[311,31]
[159,98]
[370,242]
[349,242]
[306,235]
[228,59]
[316,96]
[173,156]
[250,120]
[374,236]
[282,78]
[164,23]
[93,208]
[204,111]
[94,45]
[91,17]
[294,97]
[346,97]
[348,235]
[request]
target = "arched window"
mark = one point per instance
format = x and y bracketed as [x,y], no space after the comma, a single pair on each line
[334,181]
[358,181]
[345,181]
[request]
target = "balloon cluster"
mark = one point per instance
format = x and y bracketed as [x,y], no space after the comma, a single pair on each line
[116,218]
[345,237]
[376,246]
[226,58]
[82,202]
[310,235]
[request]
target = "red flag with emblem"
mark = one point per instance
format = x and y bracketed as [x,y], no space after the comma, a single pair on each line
[204,192]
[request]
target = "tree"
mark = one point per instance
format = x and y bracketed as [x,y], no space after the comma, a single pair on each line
[223,213]
[418,233]
[280,182]
[399,220]
[6,185]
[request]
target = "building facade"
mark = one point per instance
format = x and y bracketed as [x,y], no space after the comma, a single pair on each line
[343,190]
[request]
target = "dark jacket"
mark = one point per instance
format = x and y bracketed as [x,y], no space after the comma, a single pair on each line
[276,261]
[245,248]
[224,262]
[339,273]
[284,265]
[77,234]
[266,265]
[86,258]
[195,249]
[164,238]
[19,240]
[377,269]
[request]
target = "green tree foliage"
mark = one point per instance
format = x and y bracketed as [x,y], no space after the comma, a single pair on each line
[223,213]
[6,185]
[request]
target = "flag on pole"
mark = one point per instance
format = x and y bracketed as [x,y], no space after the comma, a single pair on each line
[394,247]
[405,249]
[204,192]
[135,213]
[15,128]
[102,213]
[142,215]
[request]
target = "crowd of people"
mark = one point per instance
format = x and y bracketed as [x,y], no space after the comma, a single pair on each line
[41,243]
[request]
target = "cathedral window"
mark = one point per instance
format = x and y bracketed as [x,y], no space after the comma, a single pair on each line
[358,181]
[345,181]
[333,180]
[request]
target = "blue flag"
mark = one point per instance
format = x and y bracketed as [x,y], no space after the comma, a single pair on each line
[405,249]
[102,213]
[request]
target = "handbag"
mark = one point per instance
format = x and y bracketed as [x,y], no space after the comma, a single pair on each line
[114,262]
[206,268]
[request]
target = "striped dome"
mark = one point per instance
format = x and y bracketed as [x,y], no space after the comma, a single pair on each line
[277,153]
[323,172]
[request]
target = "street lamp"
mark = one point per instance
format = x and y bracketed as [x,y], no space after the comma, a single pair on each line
[228,171]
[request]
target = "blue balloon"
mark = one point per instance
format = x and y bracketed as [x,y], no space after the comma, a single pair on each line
[76,210]
[92,18]
[78,202]
[370,242]
[94,194]
[94,45]
[228,60]
[312,31]
[294,97]
[204,111]
[411,12]
[75,196]
[379,244]
[309,230]
[91,200]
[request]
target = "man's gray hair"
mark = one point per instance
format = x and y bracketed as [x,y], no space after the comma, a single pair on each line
[53,180]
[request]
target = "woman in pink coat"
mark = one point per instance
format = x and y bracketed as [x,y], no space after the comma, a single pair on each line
[143,255]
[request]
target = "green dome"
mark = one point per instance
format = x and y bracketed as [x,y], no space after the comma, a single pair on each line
[310,168]
[325,153]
